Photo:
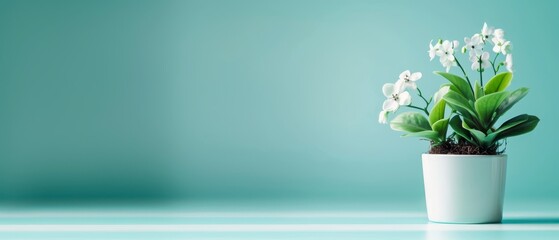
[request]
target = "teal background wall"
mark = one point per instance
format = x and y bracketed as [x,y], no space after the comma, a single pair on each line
[237,100]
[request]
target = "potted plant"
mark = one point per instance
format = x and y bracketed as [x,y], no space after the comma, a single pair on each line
[464,170]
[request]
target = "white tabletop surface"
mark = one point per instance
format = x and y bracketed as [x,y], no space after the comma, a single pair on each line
[264,221]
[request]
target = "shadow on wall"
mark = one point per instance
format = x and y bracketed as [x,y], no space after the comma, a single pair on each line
[84,178]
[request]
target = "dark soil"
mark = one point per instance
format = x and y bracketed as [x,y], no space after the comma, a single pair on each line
[463,148]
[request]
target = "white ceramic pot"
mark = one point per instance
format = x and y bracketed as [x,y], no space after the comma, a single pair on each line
[464,188]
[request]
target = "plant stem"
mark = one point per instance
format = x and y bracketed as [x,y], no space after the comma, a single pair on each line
[422,109]
[493,64]
[464,72]
[480,73]
[424,99]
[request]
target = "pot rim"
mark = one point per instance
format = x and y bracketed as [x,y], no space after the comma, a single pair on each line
[465,155]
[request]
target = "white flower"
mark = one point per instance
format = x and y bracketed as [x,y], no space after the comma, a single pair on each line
[486,32]
[501,45]
[447,54]
[499,33]
[408,79]
[440,94]
[474,44]
[508,62]
[448,64]
[434,50]
[447,51]
[383,117]
[481,62]
[396,97]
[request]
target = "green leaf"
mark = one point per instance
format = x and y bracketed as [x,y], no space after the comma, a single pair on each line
[512,122]
[456,124]
[485,141]
[472,122]
[459,103]
[498,83]
[441,127]
[478,91]
[512,99]
[464,107]
[429,134]
[462,85]
[410,122]
[437,113]
[487,105]
[515,126]
[481,138]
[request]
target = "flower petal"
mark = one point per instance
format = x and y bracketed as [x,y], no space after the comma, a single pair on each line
[412,85]
[506,47]
[473,56]
[404,98]
[485,56]
[400,86]
[455,44]
[487,30]
[508,62]
[446,45]
[415,76]
[382,117]
[388,89]
[476,39]
[431,55]
[496,48]
[451,58]
[405,74]
[390,105]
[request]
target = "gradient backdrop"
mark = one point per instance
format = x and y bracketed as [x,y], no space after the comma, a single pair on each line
[244,100]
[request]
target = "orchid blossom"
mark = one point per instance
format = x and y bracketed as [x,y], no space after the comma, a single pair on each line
[501,45]
[434,50]
[480,63]
[508,62]
[486,32]
[396,97]
[474,45]
[408,79]
[447,54]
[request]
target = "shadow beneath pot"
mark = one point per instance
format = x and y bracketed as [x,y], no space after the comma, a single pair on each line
[531,220]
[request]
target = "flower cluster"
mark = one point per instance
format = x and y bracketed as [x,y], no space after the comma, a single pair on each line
[475,107]
[445,50]
[396,94]
[475,46]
